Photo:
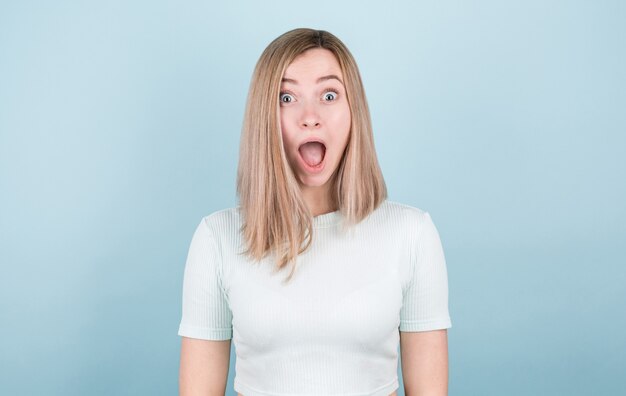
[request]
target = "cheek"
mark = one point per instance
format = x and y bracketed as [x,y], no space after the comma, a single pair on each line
[338,117]
[347,121]
[285,127]
[342,122]
[346,124]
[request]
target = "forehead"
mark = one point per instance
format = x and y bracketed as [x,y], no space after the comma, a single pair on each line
[312,64]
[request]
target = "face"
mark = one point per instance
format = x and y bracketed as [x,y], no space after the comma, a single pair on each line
[314,107]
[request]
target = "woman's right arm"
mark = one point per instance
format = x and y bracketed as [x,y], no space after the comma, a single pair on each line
[203,367]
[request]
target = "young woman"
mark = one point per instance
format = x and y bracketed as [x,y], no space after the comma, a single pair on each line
[316,276]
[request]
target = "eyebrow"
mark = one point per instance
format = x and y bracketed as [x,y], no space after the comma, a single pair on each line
[319,80]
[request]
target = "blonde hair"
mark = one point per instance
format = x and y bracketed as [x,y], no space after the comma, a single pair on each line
[276,218]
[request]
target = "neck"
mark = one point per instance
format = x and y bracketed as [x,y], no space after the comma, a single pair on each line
[318,200]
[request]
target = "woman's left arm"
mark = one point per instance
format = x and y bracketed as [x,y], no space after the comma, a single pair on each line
[424,357]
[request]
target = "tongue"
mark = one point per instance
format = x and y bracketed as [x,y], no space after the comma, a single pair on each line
[312,153]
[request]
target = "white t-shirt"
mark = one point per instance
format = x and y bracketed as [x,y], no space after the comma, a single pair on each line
[333,329]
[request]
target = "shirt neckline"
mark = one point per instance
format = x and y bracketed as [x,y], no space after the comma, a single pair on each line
[320,221]
[327,219]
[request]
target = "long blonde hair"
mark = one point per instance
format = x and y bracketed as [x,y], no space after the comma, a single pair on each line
[276,218]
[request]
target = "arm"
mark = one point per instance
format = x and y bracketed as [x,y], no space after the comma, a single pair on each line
[203,367]
[424,357]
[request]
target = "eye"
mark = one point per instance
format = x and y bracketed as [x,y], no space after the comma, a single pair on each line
[286,98]
[329,96]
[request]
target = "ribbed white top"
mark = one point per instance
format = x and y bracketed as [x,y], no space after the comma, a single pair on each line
[333,329]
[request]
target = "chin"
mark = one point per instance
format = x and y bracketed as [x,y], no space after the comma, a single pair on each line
[313,180]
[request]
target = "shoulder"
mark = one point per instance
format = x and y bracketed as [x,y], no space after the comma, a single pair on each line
[413,222]
[403,213]
[221,221]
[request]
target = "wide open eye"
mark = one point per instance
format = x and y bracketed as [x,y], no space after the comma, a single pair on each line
[286,98]
[329,96]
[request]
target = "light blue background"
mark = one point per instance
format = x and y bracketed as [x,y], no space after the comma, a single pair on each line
[119,130]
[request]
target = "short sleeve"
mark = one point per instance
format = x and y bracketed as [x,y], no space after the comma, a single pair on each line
[425,298]
[205,311]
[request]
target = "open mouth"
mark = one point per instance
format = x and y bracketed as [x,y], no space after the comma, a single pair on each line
[313,153]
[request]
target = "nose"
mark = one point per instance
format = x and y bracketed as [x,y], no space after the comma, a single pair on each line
[310,123]
[310,117]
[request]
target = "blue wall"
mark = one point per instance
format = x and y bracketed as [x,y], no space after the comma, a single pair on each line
[119,130]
